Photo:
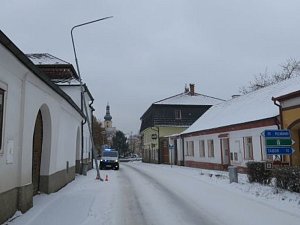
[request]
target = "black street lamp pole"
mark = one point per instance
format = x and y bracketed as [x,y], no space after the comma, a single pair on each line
[82,92]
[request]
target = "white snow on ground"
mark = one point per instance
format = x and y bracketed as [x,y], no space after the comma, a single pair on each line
[87,201]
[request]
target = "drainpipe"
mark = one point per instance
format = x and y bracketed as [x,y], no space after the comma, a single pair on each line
[92,125]
[82,141]
[279,124]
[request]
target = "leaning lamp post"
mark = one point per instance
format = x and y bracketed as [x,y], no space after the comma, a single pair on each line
[82,91]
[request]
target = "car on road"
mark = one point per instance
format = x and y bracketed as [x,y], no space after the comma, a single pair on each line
[109,159]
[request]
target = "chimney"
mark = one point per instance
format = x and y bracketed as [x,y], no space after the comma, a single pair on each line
[192,89]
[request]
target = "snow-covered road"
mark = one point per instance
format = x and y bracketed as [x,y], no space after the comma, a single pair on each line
[142,193]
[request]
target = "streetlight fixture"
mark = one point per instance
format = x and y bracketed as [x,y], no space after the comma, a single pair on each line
[82,92]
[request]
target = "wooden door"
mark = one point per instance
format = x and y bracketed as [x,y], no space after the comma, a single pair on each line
[37,152]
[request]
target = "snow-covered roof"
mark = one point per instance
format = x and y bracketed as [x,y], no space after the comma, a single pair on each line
[55,68]
[187,99]
[45,59]
[253,106]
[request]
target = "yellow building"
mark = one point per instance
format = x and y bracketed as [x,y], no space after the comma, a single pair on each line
[289,105]
[170,116]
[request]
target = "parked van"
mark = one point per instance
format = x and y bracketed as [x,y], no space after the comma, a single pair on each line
[109,159]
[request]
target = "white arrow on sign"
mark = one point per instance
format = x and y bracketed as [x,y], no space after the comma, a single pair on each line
[293,142]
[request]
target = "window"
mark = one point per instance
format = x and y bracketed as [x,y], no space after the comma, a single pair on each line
[202,148]
[1,115]
[190,148]
[236,157]
[210,145]
[178,114]
[248,148]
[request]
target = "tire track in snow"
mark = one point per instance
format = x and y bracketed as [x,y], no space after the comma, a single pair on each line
[183,211]
[129,211]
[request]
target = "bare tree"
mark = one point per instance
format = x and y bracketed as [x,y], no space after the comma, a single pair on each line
[288,70]
[98,134]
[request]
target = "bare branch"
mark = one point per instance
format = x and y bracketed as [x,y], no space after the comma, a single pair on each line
[288,70]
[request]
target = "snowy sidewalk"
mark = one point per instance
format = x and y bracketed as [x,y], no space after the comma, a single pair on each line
[83,201]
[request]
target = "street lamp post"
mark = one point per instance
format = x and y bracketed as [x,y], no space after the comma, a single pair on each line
[82,91]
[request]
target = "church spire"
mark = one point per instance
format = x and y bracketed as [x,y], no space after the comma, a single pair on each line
[107,116]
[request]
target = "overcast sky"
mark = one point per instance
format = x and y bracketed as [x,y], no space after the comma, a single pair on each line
[149,50]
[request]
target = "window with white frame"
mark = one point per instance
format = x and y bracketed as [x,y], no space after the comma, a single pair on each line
[211,150]
[1,117]
[202,148]
[177,114]
[190,148]
[248,148]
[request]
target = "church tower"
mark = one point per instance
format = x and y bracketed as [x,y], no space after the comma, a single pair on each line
[107,118]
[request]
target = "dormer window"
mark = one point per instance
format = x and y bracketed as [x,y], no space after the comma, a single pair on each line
[177,114]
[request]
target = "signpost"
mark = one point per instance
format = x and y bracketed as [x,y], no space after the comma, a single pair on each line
[279,150]
[278,142]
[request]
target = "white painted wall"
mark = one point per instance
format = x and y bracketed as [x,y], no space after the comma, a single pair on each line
[215,159]
[235,137]
[74,91]
[25,95]
[290,102]
[179,150]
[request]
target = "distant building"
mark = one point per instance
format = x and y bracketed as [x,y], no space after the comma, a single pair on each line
[110,131]
[170,116]
[134,144]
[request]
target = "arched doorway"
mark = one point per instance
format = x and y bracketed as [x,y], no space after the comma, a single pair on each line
[295,131]
[37,152]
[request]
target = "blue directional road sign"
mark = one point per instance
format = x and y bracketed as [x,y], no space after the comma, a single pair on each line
[278,142]
[277,134]
[279,150]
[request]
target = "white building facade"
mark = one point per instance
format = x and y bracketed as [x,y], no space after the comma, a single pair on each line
[65,76]
[40,132]
[231,133]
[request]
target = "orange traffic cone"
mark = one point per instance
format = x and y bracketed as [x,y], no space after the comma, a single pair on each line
[106,177]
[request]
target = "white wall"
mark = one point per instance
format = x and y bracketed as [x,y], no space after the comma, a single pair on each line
[74,91]
[25,95]
[234,138]
[217,152]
